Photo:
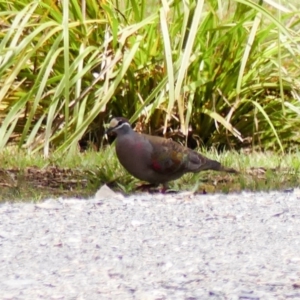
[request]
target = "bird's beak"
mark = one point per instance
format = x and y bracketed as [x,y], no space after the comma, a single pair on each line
[108,130]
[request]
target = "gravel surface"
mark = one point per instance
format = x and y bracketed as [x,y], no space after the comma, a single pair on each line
[242,246]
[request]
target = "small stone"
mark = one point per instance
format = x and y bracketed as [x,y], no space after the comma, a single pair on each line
[49,204]
[296,285]
[105,193]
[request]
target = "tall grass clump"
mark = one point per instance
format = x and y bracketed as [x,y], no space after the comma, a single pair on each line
[226,72]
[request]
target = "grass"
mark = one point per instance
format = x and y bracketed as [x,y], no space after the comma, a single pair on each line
[26,177]
[226,71]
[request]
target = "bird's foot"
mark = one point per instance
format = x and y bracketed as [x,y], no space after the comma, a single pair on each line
[154,188]
[147,187]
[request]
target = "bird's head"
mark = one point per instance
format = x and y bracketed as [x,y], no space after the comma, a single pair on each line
[118,125]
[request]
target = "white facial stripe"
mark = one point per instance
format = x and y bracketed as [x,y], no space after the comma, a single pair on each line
[122,125]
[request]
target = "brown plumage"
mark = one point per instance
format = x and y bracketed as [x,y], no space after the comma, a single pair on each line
[155,159]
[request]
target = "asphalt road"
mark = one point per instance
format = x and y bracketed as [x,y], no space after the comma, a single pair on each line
[241,246]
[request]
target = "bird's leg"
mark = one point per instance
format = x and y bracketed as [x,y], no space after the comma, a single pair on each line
[146,187]
[164,188]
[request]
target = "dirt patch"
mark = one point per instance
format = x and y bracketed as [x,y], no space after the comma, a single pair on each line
[33,183]
[37,183]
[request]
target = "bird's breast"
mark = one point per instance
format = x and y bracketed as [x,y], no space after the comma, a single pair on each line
[135,156]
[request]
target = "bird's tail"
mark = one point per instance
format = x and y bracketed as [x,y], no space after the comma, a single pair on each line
[216,166]
[228,170]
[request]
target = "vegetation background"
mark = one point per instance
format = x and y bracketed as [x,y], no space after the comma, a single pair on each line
[219,74]
[222,73]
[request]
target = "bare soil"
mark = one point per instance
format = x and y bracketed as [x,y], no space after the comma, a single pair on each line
[33,183]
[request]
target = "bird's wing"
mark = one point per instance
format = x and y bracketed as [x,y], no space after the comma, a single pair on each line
[167,157]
